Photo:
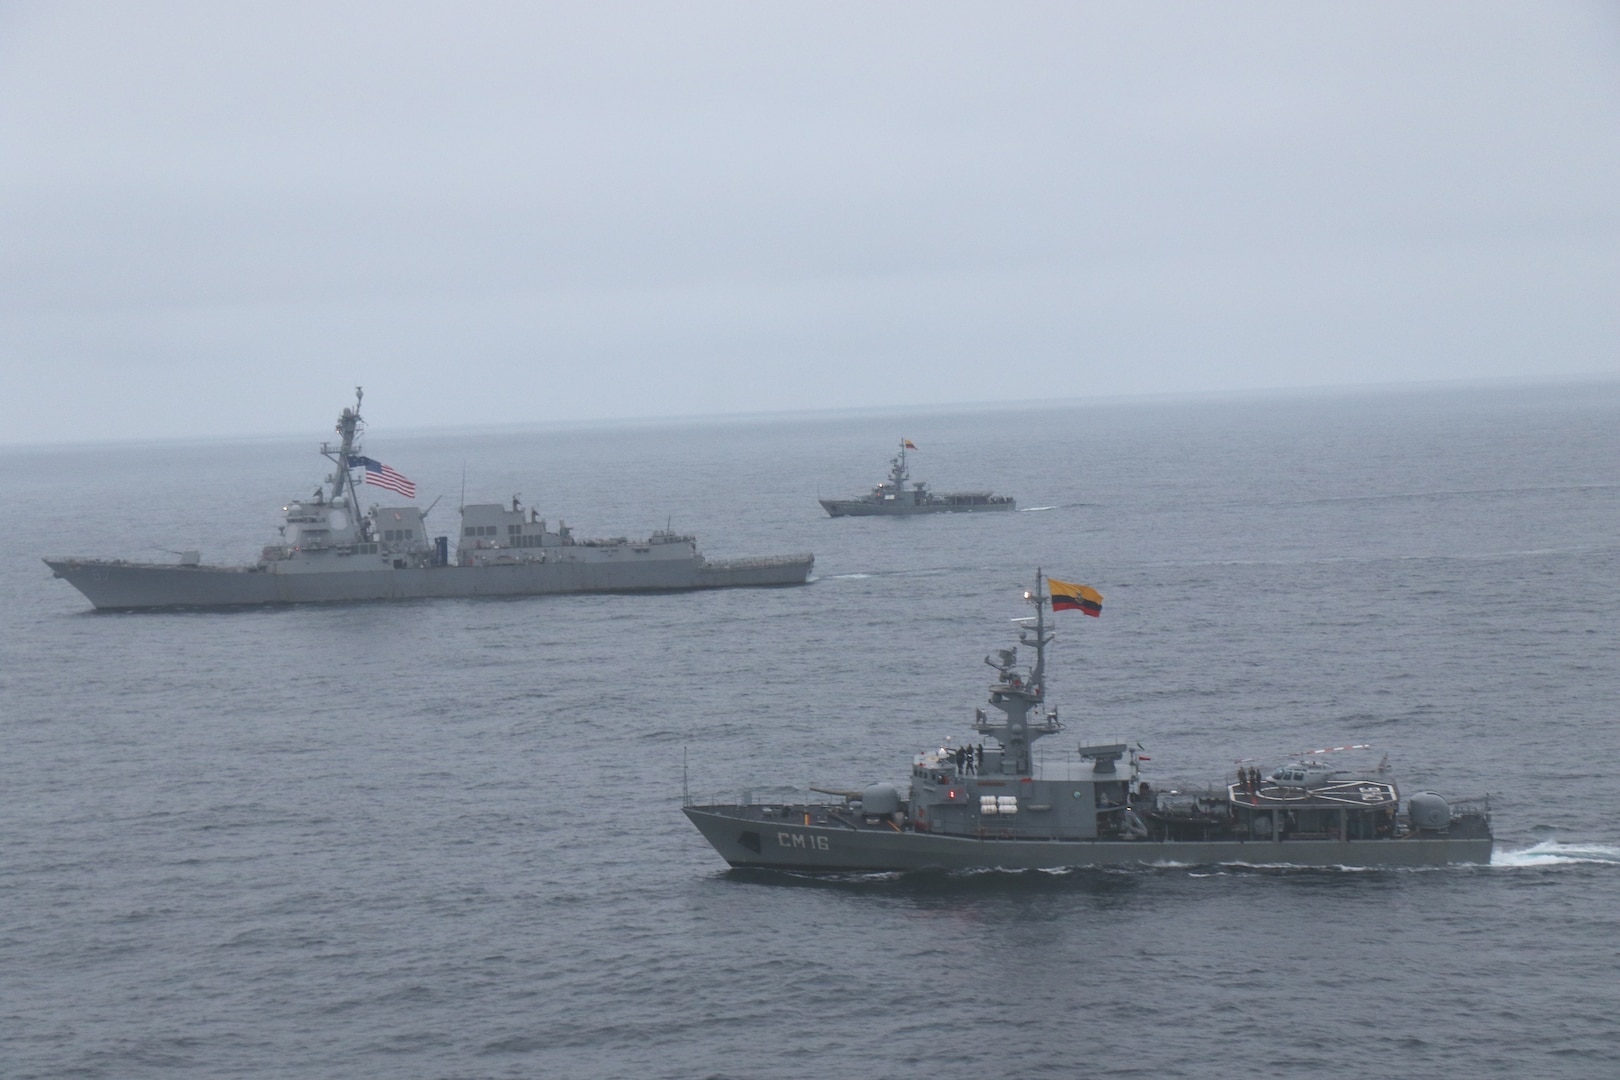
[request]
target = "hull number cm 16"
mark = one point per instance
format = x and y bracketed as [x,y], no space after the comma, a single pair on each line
[800,840]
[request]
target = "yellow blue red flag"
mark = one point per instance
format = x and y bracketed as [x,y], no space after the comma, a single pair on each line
[1067,596]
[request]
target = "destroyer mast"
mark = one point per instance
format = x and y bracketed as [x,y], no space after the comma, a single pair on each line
[348,426]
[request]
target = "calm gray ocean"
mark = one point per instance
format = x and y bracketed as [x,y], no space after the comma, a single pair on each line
[443,839]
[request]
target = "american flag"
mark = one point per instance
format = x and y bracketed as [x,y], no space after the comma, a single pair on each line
[381,475]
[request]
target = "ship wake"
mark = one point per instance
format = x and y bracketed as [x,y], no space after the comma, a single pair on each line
[1556,853]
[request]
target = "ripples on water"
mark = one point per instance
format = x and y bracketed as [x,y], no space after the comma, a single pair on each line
[443,839]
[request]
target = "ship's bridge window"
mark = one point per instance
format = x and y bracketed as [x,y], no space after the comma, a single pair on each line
[513,530]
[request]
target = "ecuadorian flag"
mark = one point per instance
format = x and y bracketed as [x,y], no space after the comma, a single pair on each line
[1067,596]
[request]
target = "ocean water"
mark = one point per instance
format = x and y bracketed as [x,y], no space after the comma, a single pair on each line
[443,839]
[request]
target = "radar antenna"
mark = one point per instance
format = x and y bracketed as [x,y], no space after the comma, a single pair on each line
[349,426]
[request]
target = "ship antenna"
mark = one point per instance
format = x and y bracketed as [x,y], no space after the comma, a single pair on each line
[354,496]
[1040,599]
[463,507]
[349,425]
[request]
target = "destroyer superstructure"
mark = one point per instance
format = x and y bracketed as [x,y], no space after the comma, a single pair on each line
[993,806]
[893,497]
[333,550]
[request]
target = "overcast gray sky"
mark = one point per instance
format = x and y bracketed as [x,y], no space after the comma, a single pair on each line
[218,218]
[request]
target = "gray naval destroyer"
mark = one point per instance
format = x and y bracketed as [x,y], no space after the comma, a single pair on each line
[332,550]
[893,497]
[994,806]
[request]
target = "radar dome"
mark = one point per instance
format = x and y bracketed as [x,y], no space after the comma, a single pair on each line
[1429,811]
[879,799]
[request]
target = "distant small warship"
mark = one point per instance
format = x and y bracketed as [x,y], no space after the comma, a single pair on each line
[995,807]
[893,497]
[331,550]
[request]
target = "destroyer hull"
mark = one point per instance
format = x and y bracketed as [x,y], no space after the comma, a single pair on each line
[861,508]
[747,841]
[123,586]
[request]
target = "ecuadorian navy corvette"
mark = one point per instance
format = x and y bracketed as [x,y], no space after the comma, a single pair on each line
[978,807]
[331,550]
[892,497]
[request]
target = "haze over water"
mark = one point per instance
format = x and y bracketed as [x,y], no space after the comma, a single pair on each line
[442,839]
